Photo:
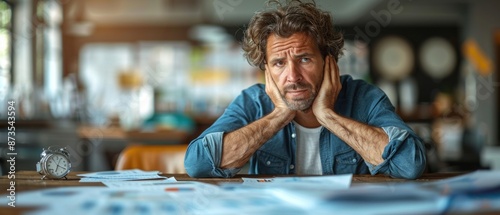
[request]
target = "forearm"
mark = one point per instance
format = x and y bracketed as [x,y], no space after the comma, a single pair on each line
[368,141]
[405,155]
[240,145]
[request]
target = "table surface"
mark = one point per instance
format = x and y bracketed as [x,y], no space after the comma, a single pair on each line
[31,180]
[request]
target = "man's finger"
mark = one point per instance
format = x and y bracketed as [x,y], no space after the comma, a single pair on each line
[336,70]
[335,67]
[268,77]
[266,70]
[327,68]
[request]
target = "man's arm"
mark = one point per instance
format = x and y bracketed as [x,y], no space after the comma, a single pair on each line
[241,144]
[229,143]
[368,141]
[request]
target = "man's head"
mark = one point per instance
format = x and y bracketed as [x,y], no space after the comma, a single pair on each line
[291,43]
[285,20]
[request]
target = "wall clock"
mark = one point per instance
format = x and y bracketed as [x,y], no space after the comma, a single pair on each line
[393,58]
[437,57]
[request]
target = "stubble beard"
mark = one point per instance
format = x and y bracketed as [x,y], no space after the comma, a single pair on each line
[304,104]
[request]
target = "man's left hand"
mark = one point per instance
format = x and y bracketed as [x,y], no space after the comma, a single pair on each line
[329,90]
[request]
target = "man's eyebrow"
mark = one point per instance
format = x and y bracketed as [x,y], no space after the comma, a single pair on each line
[276,59]
[303,55]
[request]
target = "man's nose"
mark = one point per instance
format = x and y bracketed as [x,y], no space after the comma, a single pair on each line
[293,73]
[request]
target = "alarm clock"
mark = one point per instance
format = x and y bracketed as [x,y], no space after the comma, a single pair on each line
[54,163]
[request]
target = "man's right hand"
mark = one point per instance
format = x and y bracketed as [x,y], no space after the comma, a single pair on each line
[273,92]
[241,144]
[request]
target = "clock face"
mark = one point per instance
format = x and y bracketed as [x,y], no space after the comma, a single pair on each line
[437,57]
[393,58]
[57,165]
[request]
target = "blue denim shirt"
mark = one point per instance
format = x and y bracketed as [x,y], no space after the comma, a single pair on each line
[404,156]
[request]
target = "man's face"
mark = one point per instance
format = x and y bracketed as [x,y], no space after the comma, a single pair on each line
[296,65]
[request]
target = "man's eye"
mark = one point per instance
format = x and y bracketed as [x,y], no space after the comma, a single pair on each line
[305,60]
[279,63]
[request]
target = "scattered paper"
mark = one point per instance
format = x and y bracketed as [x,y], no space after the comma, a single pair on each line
[139,184]
[161,198]
[475,192]
[338,181]
[120,175]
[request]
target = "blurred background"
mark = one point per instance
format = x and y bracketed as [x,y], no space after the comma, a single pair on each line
[98,75]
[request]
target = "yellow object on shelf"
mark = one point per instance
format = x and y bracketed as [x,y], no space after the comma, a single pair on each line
[477,57]
[130,79]
[210,76]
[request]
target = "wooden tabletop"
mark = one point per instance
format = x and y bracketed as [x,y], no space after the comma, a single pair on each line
[31,180]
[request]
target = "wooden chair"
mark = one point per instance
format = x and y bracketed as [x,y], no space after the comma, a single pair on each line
[163,158]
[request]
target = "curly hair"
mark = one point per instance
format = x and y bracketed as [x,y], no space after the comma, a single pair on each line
[285,20]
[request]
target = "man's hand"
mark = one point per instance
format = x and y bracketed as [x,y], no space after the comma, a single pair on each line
[273,92]
[240,145]
[329,90]
[368,141]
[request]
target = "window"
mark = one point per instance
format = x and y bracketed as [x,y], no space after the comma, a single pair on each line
[5,50]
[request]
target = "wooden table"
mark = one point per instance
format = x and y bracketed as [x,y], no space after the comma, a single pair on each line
[30,180]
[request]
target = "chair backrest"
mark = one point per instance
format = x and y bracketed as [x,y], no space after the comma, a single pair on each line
[164,158]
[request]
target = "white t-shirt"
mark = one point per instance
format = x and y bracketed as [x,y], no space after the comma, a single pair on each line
[307,154]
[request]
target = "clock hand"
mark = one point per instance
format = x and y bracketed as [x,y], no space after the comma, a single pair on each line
[62,167]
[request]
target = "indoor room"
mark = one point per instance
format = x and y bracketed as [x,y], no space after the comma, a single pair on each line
[119,85]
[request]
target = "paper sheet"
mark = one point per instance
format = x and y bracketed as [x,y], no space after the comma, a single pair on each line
[120,175]
[285,195]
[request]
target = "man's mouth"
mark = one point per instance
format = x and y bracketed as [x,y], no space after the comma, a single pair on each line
[296,93]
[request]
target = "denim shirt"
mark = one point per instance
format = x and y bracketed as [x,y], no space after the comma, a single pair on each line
[404,156]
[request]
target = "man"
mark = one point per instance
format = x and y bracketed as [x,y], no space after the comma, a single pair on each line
[306,119]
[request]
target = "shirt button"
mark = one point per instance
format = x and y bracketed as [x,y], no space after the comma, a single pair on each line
[268,163]
[354,160]
[293,135]
[292,166]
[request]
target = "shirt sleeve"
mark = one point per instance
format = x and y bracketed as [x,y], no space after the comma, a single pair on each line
[213,144]
[403,157]
[203,156]
[207,153]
